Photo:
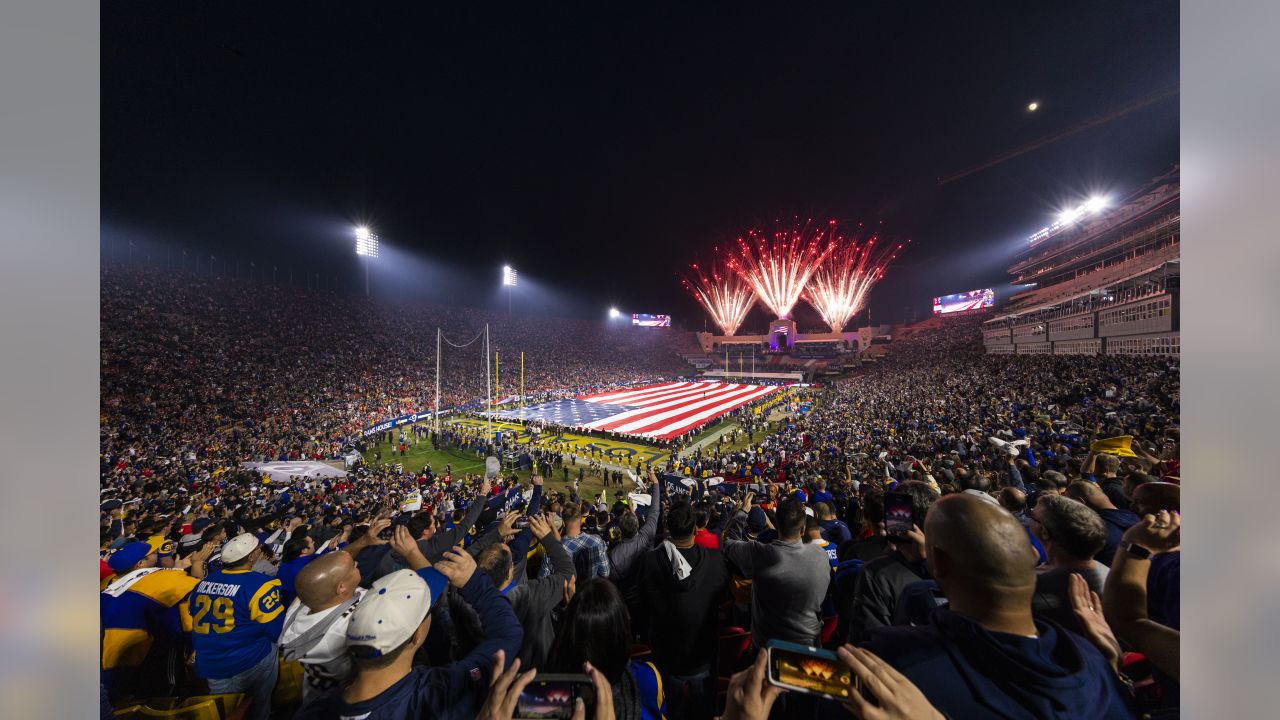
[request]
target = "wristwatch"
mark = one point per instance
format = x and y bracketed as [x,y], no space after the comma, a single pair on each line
[1136,551]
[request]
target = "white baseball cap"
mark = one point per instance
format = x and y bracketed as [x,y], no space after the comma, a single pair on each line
[239,547]
[388,615]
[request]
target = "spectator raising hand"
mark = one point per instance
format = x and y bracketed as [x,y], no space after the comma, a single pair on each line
[1087,607]
[403,543]
[542,526]
[457,566]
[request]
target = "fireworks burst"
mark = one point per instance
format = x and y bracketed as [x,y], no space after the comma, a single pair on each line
[778,266]
[725,295]
[840,286]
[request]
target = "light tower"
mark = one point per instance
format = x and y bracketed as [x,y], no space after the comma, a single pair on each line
[508,280]
[366,247]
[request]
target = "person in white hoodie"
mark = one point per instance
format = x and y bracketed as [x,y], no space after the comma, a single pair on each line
[315,625]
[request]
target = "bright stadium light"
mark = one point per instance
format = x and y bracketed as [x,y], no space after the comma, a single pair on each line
[1095,203]
[614,313]
[366,247]
[366,242]
[508,280]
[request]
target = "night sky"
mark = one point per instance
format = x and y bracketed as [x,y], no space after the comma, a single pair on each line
[599,150]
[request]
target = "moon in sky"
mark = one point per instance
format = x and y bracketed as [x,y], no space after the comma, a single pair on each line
[1033,107]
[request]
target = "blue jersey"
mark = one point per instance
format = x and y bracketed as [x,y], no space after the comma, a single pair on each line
[653,699]
[236,619]
[830,549]
[288,574]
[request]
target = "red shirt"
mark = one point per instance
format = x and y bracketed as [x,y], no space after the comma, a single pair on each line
[705,539]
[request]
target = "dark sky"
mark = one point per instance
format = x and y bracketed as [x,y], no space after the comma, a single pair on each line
[600,149]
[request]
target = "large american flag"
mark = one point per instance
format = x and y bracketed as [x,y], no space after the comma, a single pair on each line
[660,411]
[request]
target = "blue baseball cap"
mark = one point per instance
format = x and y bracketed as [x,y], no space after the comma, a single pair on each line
[130,555]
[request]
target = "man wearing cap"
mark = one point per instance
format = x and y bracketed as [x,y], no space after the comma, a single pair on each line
[144,619]
[237,615]
[390,624]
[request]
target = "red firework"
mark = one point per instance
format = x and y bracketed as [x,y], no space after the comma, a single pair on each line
[840,287]
[778,265]
[726,296]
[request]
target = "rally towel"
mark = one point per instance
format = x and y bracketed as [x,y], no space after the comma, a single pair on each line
[679,566]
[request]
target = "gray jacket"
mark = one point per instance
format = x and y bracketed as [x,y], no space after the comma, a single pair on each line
[788,584]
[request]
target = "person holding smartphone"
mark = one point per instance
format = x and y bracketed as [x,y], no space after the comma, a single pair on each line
[883,580]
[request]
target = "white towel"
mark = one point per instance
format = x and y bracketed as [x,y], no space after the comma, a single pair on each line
[1010,447]
[679,566]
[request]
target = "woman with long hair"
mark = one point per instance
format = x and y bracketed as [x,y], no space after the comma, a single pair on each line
[596,628]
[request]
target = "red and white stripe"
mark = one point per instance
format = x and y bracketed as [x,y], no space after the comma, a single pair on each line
[671,409]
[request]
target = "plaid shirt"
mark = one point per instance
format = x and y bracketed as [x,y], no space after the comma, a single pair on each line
[589,543]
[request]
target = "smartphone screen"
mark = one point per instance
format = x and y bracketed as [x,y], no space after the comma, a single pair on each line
[552,696]
[522,522]
[898,514]
[809,670]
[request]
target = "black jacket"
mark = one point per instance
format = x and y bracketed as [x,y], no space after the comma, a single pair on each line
[875,595]
[683,630]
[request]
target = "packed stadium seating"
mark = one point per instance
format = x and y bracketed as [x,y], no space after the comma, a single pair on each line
[201,374]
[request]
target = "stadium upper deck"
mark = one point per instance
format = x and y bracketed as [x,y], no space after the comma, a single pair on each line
[1108,285]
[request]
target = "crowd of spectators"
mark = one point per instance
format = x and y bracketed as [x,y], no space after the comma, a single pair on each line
[199,374]
[1037,576]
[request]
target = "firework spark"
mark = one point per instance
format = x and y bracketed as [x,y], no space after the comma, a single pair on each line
[777,266]
[725,295]
[840,286]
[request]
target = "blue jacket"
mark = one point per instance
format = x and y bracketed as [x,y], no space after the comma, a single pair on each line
[967,671]
[453,691]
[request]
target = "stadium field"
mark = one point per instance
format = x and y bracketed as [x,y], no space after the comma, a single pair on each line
[615,451]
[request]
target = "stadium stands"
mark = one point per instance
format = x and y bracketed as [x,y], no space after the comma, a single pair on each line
[199,375]
[1109,287]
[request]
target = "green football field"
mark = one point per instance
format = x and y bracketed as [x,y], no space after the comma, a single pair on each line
[615,451]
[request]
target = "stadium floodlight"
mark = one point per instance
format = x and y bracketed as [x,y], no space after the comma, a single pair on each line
[366,247]
[366,242]
[1095,203]
[508,280]
[614,313]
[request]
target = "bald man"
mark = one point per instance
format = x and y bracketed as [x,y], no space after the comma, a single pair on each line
[315,627]
[984,655]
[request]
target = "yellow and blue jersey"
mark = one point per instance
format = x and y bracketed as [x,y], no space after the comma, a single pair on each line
[653,698]
[137,610]
[236,620]
[830,549]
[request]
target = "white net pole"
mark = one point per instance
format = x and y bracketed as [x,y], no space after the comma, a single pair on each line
[436,422]
[488,382]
